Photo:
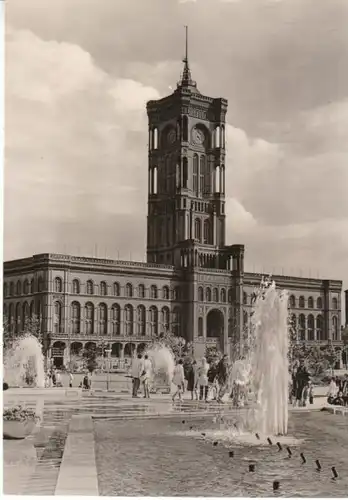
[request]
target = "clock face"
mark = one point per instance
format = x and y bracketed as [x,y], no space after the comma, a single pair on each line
[171,137]
[198,136]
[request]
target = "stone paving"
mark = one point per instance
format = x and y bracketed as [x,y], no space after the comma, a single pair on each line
[60,456]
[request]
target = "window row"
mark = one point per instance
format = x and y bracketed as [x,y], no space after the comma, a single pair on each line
[214,295]
[26,287]
[91,319]
[311,302]
[313,328]
[129,290]
[18,315]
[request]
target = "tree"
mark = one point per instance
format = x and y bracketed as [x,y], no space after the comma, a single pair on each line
[89,356]
[32,326]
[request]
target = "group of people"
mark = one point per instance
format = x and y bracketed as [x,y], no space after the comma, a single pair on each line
[141,371]
[338,391]
[204,380]
[301,387]
[53,378]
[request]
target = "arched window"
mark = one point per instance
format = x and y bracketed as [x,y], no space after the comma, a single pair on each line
[207,235]
[320,328]
[195,174]
[153,292]
[230,295]
[217,140]
[153,320]
[129,290]
[176,327]
[32,309]
[129,320]
[223,139]
[10,316]
[155,138]
[19,288]
[103,288]
[198,229]
[310,303]
[185,128]
[223,295]
[293,326]
[310,326]
[116,319]
[141,291]
[103,319]
[319,303]
[25,315]
[76,317]
[202,173]
[76,287]
[200,294]
[245,298]
[89,318]
[26,287]
[208,294]
[292,301]
[165,318]
[184,172]
[200,326]
[90,287]
[141,313]
[5,289]
[32,285]
[165,291]
[116,289]
[57,318]
[335,331]
[215,295]
[245,319]
[18,318]
[176,293]
[58,285]
[40,284]
[301,302]
[302,327]
[11,289]
[334,303]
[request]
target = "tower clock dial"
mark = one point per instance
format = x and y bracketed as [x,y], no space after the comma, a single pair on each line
[198,136]
[171,136]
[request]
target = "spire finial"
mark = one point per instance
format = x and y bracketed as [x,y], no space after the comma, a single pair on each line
[186,80]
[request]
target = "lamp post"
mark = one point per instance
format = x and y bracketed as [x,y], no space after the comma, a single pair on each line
[108,352]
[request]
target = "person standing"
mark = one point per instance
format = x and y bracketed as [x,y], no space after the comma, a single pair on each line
[302,379]
[179,379]
[222,375]
[203,380]
[332,392]
[192,380]
[136,371]
[71,378]
[146,375]
[212,380]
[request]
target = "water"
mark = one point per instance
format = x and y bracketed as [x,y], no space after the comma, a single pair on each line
[24,363]
[163,363]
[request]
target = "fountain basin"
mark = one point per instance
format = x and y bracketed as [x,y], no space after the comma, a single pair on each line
[13,429]
[16,394]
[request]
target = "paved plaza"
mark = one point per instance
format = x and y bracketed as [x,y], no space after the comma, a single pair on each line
[62,457]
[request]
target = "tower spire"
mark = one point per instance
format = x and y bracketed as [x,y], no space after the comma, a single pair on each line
[186,79]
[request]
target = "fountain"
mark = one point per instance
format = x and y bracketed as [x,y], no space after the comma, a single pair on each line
[268,361]
[163,364]
[24,363]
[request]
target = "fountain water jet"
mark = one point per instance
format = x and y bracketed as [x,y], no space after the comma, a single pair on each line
[163,363]
[268,358]
[24,363]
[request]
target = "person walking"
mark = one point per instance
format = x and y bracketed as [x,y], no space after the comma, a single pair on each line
[203,380]
[136,371]
[192,380]
[179,379]
[222,375]
[146,376]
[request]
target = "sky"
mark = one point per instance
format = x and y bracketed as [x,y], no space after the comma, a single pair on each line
[79,73]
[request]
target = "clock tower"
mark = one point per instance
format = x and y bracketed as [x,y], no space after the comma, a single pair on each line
[186,177]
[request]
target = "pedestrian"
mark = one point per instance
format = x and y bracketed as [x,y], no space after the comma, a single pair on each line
[332,392]
[222,375]
[136,371]
[203,380]
[71,378]
[192,380]
[179,379]
[212,380]
[146,376]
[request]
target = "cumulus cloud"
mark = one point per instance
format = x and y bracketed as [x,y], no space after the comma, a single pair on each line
[76,126]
